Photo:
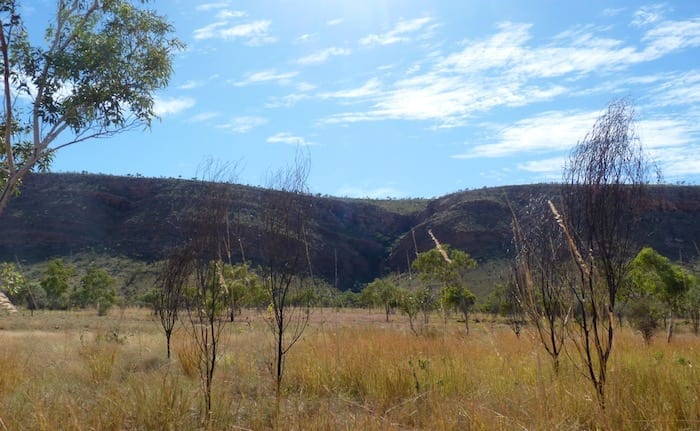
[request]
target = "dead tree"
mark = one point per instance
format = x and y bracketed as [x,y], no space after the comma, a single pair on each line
[605,182]
[540,272]
[284,241]
[206,226]
[171,283]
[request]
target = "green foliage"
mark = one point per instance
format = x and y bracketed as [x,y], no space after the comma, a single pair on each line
[432,265]
[448,267]
[652,274]
[457,297]
[382,292]
[55,283]
[95,74]
[410,304]
[243,286]
[644,314]
[96,289]
[12,282]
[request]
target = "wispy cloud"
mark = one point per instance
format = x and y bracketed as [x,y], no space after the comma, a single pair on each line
[611,12]
[303,89]
[211,6]
[547,132]
[171,106]
[288,139]
[336,21]
[190,85]
[399,33]
[547,168]
[243,124]
[678,89]
[649,14]
[323,55]
[507,69]
[229,14]
[254,33]
[368,89]
[266,76]
[203,117]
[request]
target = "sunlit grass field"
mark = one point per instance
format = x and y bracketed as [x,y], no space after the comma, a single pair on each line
[351,370]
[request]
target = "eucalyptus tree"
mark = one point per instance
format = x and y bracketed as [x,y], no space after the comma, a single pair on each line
[94,74]
[653,277]
[448,267]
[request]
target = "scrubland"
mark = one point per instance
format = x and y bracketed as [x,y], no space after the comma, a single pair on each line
[351,370]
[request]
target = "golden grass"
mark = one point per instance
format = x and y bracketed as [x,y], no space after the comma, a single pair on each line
[351,370]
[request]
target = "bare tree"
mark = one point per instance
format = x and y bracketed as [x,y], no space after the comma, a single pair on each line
[605,182]
[285,254]
[171,283]
[540,274]
[206,226]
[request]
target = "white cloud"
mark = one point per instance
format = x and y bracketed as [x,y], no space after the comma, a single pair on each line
[305,86]
[254,32]
[369,88]
[507,69]
[648,15]
[548,168]
[547,132]
[306,37]
[612,12]
[400,32]
[203,117]
[323,55]
[266,76]
[303,89]
[678,89]
[671,36]
[212,6]
[661,133]
[243,124]
[286,101]
[190,85]
[336,21]
[228,14]
[170,106]
[288,139]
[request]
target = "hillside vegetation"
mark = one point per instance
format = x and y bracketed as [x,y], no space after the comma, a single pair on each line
[353,241]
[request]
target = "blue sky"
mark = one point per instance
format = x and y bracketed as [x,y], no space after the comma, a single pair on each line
[412,98]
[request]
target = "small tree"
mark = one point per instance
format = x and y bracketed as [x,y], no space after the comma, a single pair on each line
[459,298]
[285,258]
[409,304]
[383,293]
[96,289]
[653,276]
[94,75]
[448,267]
[243,286]
[206,226]
[541,273]
[55,283]
[206,308]
[168,299]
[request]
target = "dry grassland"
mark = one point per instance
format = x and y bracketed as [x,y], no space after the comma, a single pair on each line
[351,370]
